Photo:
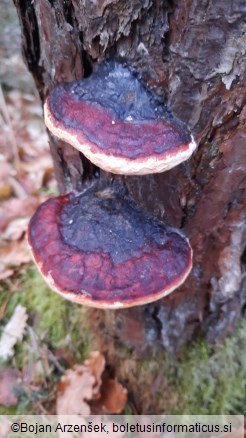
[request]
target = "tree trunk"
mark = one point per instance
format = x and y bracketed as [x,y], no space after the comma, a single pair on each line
[193,52]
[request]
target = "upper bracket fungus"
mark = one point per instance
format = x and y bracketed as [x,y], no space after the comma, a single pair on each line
[117,123]
[98,248]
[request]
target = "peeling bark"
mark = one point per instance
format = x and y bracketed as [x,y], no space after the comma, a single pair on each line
[193,53]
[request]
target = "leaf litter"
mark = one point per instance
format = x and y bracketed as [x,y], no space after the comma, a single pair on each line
[26,170]
[85,389]
[13,332]
[9,380]
[26,173]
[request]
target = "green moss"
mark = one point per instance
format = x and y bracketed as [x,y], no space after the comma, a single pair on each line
[204,380]
[8,410]
[52,322]
[56,321]
[211,379]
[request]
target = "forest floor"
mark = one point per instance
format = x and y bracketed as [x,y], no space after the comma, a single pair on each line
[45,340]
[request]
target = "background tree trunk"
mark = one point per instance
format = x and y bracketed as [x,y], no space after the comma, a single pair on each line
[193,52]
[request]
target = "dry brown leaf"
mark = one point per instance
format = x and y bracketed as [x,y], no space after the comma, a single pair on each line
[18,187]
[79,385]
[5,272]
[96,365]
[37,165]
[5,189]
[82,390]
[13,332]
[18,208]
[74,390]
[37,171]
[26,121]
[16,229]
[9,379]
[113,397]
[13,254]
[5,169]
[5,172]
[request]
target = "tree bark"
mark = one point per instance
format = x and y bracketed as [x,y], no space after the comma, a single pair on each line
[193,52]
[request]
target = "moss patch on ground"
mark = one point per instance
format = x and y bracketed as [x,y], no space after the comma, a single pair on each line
[55,320]
[209,379]
[55,338]
[205,379]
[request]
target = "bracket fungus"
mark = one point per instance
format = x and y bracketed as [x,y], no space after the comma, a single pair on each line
[100,249]
[117,123]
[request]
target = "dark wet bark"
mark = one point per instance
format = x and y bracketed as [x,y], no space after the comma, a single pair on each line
[192,51]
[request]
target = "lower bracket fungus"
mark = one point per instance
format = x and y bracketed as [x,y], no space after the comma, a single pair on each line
[100,249]
[117,123]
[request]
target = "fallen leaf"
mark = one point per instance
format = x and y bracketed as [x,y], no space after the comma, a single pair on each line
[5,172]
[13,332]
[38,164]
[37,171]
[79,385]
[9,379]
[113,397]
[83,390]
[5,169]
[18,208]
[13,254]
[5,272]
[96,365]
[5,189]
[76,387]
[18,187]
[15,229]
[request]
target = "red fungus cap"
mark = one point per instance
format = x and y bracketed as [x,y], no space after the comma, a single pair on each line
[117,124]
[99,249]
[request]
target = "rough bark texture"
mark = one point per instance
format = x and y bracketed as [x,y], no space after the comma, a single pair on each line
[193,52]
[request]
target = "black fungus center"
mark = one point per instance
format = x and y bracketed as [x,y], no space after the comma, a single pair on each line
[108,222]
[113,86]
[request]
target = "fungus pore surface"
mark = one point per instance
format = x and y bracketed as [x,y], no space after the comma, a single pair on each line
[98,248]
[119,124]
